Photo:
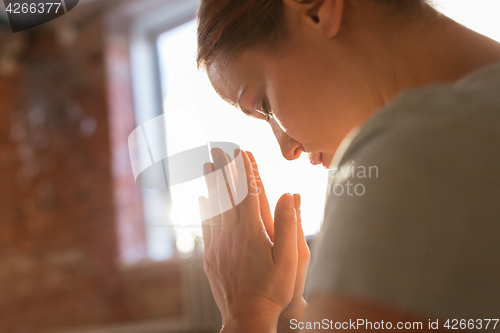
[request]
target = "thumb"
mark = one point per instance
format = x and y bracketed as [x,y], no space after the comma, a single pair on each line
[285,231]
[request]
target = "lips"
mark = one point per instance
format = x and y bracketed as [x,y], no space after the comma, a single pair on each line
[315,158]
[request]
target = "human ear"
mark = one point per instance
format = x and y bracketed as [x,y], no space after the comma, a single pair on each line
[330,15]
[323,15]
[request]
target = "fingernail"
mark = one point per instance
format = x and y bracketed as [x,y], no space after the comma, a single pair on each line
[207,168]
[298,198]
[216,150]
[236,152]
[288,200]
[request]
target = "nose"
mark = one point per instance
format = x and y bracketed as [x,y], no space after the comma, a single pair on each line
[290,148]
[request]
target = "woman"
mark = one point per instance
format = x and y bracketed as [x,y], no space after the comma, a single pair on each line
[390,84]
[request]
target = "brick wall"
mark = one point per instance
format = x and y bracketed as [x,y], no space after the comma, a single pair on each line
[59,249]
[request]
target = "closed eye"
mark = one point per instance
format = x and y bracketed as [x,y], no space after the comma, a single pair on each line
[265,110]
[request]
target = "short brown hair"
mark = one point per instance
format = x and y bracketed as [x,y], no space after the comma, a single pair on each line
[228,26]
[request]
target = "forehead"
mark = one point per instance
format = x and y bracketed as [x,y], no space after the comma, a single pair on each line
[230,77]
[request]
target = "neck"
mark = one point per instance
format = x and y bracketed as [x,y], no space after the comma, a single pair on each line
[430,50]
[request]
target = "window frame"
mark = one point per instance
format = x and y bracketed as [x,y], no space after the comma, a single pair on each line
[145,30]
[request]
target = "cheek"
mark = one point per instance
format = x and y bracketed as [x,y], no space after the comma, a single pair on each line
[295,104]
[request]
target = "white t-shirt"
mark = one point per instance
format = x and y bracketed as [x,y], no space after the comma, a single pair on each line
[412,217]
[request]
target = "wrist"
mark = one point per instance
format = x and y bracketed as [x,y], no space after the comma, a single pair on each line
[293,311]
[251,314]
[251,324]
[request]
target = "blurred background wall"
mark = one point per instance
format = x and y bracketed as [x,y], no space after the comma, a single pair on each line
[68,202]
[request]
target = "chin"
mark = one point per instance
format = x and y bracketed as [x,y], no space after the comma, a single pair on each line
[326,161]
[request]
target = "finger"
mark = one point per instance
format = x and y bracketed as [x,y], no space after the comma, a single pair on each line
[285,233]
[297,200]
[229,215]
[237,166]
[232,177]
[205,222]
[213,205]
[249,207]
[220,161]
[302,249]
[300,231]
[265,210]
